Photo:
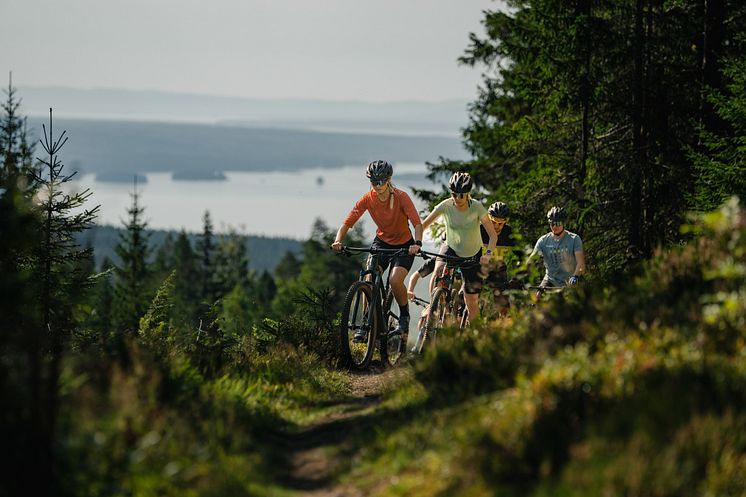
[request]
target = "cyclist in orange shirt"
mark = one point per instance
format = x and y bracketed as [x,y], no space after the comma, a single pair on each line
[392,210]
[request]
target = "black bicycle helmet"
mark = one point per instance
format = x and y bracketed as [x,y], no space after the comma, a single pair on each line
[557,215]
[379,170]
[499,210]
[461,183]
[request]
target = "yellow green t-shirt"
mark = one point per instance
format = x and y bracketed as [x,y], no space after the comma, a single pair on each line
[462,227]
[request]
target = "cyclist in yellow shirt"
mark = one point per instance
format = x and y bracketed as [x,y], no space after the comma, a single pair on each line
[463,216]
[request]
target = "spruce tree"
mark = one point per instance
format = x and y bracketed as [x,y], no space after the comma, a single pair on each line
[133,288]
[288,267]
[721,160]
[187,285]
[16,154]
[231,263]
[163,263]
[101,318]
[62,276]
[20,341]
[587,105]
[206,254]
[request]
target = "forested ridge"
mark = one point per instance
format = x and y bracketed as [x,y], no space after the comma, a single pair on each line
[180,371]
[203,151]
[265,252]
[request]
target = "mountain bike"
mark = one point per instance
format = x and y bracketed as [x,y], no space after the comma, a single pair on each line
[367,316]
[447,304]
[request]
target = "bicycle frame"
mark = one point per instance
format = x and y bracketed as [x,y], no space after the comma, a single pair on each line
[380,290]
[376,323]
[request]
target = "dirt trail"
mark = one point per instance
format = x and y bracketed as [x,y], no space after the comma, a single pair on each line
[319,452]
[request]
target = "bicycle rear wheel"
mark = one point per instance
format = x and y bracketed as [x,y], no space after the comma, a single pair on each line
[435,318]
[393,343]
[358,326]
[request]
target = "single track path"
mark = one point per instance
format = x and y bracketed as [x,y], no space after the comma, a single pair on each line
[319,454]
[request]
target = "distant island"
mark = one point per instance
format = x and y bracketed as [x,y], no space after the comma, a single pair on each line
[199,176]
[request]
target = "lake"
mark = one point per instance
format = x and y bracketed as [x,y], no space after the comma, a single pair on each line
[263,203]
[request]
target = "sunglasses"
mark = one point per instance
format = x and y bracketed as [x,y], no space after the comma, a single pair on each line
[459,195]
[378,182]
[498,220]
[556,223]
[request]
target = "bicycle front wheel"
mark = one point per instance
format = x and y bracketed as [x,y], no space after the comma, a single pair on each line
[436,317]
[358,326]
[393,342]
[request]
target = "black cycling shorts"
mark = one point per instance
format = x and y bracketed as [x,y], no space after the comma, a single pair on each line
[470,271]
[384,260]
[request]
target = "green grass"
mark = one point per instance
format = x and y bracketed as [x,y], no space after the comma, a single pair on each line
[635,389]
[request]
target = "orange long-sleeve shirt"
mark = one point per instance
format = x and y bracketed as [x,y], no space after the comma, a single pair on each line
[391,220]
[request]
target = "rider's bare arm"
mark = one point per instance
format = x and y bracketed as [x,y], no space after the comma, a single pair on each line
[412,283]
[341,233]
[579,263]
[430,219]
[490,229]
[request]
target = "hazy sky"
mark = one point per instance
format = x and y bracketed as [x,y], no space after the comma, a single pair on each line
[330,49]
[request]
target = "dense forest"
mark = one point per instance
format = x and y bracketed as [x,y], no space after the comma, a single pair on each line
[180,371]
[266,252]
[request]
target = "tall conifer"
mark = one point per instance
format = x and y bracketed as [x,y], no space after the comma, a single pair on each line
[133,288]
[206,253]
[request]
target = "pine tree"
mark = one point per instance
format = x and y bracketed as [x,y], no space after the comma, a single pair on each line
[206,253]
[721,162]
[16,154]
[288,267]
[231,263]
[101,318]
[587,105]
[163,263]
[155,329]
[187,285]
[133,288]
[62,277]
[20,343]
[265,289]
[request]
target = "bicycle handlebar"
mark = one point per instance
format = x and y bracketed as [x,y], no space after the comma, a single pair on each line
[353,250]
[420,302]
[465,261]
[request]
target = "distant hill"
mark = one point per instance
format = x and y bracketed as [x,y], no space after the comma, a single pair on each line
[115,150]
[443,118]
[264,252]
